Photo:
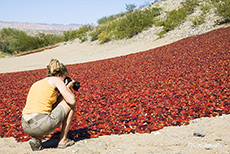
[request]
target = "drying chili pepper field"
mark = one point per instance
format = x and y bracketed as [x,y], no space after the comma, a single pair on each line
[137,93]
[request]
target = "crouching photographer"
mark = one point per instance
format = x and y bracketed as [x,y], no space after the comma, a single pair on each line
[39,117]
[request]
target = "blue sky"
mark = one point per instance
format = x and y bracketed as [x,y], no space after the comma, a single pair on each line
[62,11]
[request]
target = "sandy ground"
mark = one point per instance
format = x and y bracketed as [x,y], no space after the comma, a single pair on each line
[180,140]
[170,140]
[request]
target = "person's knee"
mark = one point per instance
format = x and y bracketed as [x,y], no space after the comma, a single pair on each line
[68,107]
[74,105]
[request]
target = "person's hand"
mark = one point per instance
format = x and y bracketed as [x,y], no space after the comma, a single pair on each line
[70,84]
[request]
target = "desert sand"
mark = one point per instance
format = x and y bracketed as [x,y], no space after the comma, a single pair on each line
[174,139]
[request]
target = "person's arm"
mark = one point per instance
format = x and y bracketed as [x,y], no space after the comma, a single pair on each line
[59,99]
[65,91]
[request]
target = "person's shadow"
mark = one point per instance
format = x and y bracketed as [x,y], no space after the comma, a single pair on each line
[75,135]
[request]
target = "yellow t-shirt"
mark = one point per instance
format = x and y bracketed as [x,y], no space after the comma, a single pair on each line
[41,97]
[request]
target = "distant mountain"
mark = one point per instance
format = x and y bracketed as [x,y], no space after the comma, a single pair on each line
[33,28]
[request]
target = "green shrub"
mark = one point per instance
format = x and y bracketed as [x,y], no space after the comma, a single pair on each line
[104,37]
[125,27]
[15,41]
[223,8]
[205,8]
[47,39]
[190,5]
[105,20]
[134,23]
[130,7]
[69,35]
[94,33]
[81,33]
[175,17]
[198,20]
[105,32]
[12,40]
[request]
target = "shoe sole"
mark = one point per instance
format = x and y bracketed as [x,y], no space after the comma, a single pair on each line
[35,145]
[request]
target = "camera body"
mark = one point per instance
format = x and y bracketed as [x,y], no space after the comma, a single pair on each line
[76,84]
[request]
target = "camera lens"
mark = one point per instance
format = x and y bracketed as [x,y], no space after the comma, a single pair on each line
[76,86]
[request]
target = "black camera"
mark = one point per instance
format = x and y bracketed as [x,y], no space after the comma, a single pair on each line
[76,84]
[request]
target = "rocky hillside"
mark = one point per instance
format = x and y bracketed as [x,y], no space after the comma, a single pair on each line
[187,28]
[201,19]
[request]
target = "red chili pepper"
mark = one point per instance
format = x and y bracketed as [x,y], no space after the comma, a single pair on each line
[141,92]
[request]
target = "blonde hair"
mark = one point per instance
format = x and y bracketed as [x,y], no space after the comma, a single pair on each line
[55,67]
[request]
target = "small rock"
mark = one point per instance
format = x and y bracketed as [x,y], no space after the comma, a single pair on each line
[218,139]
[208,147]
[199,133]
[103,144]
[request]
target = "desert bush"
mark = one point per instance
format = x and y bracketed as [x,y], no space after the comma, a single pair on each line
[127,26]
[198,20]
[69,35]
[107,31]
[15,41]
[81,33]
[190,5]
[135,22]
[205,8]
[105,20]
[175,17]
[12,40]
[104,37]
[47,39]
[95,32]
[130,7]
[223,8]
